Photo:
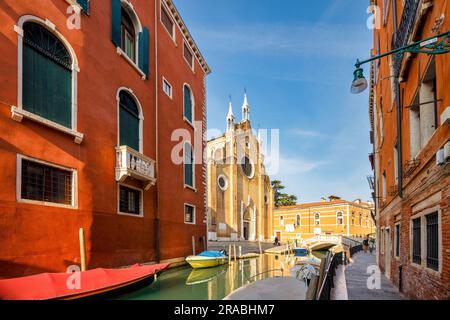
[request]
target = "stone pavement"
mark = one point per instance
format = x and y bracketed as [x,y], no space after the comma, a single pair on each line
[356,277]
[280,288]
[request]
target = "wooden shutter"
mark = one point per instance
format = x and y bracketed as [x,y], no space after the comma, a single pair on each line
[129,129]
[47,87]
[116,17]
[84,5]
[144,51]
[188,165]
[187,103]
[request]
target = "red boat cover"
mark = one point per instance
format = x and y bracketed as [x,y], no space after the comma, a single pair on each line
[60,285]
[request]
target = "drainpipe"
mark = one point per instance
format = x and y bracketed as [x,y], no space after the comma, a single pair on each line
[157,220]
[399,117]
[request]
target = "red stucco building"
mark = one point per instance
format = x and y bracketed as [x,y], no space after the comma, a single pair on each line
[411,137]
[89,104]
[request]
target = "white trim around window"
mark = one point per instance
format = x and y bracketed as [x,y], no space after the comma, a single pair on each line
[423,238]
[191,123]
[194,213]
[341,217]
[186,186]
[172,36]
[225,179]
[192,64]
[167,83]
[141,117]
[74,188]
[17,112]
[141,201]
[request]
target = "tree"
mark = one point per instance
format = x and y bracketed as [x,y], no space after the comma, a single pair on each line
[282,199]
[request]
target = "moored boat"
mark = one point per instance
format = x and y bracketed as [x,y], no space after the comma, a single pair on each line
[198,276]
[207,259]
[70,286]
[301,252]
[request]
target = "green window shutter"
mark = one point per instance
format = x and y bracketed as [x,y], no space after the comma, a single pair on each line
[129,129]
[84,5]
[144,50]
[188,165]
[116,17]
[47,87]
[187,103]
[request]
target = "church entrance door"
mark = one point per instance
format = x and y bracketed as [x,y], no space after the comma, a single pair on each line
[246,230]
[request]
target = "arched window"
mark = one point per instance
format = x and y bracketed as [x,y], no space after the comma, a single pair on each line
[188,165]
[298,221]
[47,75]
[247,167]
[339,218]
[188,104]
[129,121]
[317,218]
[128,35]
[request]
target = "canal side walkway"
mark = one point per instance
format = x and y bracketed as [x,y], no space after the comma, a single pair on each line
[350,282]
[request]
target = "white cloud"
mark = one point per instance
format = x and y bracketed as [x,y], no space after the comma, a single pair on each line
[291,166]
[280,39]
[306,133]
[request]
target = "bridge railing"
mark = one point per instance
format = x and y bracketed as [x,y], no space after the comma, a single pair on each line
[323,239]
[332,262]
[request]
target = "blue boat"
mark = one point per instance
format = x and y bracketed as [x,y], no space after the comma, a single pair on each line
[301,252]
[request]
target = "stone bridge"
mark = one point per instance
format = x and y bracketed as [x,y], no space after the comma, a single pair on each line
[324,242]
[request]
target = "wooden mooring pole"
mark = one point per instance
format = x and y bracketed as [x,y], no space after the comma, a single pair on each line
[82,250]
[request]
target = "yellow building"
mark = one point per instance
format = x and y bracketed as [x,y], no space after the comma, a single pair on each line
[239,191]
[332,217]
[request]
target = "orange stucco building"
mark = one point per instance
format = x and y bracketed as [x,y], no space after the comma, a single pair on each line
[335,217]
[411,138]
[89,103]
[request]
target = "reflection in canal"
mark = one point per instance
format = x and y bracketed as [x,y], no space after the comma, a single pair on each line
[184,283]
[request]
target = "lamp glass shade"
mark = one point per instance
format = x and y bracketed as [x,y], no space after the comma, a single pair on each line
[359,83]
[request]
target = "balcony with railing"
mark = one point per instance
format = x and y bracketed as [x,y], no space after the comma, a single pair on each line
[130,163]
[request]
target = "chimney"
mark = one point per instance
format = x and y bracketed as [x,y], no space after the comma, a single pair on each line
[333,198]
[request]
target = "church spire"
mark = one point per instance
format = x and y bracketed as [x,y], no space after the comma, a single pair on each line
[245,109]
[230,117]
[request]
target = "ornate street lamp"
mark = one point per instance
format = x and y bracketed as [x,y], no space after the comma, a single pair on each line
[429,46]
[359,83]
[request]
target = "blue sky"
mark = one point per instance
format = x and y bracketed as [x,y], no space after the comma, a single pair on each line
[296,59]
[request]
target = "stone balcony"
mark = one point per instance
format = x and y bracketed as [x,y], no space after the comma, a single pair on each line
[130,163]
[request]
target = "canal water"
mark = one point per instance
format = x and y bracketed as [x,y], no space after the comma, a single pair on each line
[185,283]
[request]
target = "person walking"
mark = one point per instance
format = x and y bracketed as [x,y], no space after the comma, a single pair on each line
[366,244]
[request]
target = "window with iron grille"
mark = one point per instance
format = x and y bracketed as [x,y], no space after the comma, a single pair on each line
[417,247]
[433,241]
[188,56]
[130,201]
[397,240]
[189,214]
[45,183]
[167,21]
